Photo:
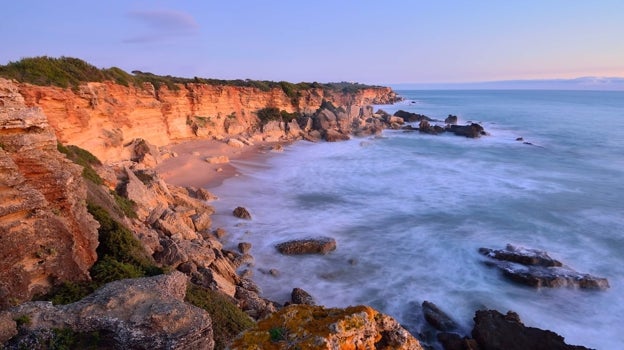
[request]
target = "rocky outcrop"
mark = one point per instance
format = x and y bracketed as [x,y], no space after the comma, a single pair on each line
[316,327]
[473,130]
[537,269]
[241,213]
[409,117]
[494,330]
[146,313]
[300,296]
[46,234]
[104,117]
[321,245]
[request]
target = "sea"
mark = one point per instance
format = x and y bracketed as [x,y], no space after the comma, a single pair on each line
[409,211]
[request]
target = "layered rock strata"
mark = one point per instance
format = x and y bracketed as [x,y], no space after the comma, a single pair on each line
[103,117]
[46,234]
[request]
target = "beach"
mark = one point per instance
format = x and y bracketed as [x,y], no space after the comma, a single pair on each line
[207,163]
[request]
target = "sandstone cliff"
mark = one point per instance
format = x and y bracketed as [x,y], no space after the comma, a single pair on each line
[103,117]
[46,234]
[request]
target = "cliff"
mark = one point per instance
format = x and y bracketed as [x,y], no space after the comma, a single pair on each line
[46,234]
[102,117]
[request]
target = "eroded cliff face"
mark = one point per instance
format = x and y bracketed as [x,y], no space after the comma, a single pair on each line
[46,234]
[102,117]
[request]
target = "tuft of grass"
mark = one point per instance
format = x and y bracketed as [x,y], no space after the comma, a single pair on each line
[22,320]
[277,334]
[83,158]
[227,319]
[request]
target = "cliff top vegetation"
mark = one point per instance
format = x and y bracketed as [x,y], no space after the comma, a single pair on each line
[69,72]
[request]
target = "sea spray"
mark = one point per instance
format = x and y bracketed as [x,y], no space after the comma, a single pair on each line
[409,211]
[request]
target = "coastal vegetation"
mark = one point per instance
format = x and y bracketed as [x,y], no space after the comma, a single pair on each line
[83,158]
[227,319]
[70,72]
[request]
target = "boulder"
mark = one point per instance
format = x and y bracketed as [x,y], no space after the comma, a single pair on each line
[235,143]
[143,313]
[451,119]
[493,330]
[332,135]
[473,130]
[244,247]
[411,117]
[536,269]
[316,327]
[242,213]
[321,245]
[218,160]
[437,318]
[300,296]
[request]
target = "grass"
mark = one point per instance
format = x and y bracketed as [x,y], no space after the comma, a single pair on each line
[227,319]
[69,72]
[127,206]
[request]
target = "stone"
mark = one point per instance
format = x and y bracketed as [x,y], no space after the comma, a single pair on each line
[451,119]
[220,232]
[218,160]
[242,213]
[473,130]
[315,327]
[202,222]
[321,245]
[244,247]
[438,318]
[8,327]
[300,296]
[536,269]
[332,135]
[411,117]
[143,313]
[493,330]
[235,143]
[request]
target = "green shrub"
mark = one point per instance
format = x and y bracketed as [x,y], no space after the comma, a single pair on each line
[268,113]
[67,339]
[227,319]
[83,158]
[118,242]
[108,270]
[70,292]
[128,206]
[22,320]
[277,334]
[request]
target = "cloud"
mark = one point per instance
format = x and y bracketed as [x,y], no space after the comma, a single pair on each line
[163,24]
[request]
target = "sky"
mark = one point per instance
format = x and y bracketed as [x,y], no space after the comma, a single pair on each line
[374,42]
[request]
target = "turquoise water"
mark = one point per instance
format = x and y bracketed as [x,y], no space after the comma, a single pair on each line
[409,211]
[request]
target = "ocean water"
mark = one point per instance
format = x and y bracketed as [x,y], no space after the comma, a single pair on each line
[409,211]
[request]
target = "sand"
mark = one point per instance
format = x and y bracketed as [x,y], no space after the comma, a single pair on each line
[202,163]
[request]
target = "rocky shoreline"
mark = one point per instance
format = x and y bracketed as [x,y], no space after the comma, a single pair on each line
[54,244]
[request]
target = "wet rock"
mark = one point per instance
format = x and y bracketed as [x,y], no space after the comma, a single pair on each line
[244,247]
[494,330]
[437,318]
[519,139]
[242,213]
[332,135]
[411,117]
[321,245]
[536,269]
[316,327]
[451,119]
[220,232]
[426,128]
[300,296]
[453,341]
[473,130]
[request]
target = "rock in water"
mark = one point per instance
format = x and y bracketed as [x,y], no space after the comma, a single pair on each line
[242,213]
[437,318]
[473,130]
[300,296]
[321,245]
[536,269]
[494,330]
[143,313]
[316,327]
[451,119]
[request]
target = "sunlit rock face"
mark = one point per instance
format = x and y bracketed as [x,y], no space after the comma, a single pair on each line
[46,234]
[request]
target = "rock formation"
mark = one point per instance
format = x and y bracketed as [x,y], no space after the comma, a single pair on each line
[105,117]
[537,269]
[146,313]
[321,245]
[46,234]
[316,327]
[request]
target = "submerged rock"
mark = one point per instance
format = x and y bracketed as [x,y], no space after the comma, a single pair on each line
[411,117]
[300,296]
[437,318]
[316,327]
[321,245]
[536,268]
[473,130]
[451,119]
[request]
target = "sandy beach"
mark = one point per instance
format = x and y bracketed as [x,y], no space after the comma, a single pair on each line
[207,163]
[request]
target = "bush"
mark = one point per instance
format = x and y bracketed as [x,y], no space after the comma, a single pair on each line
[70,292]
[227,319]
[83,158]
[127,206]
[268,113]
[108,270]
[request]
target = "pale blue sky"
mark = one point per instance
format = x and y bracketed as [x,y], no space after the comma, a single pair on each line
[380,42]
